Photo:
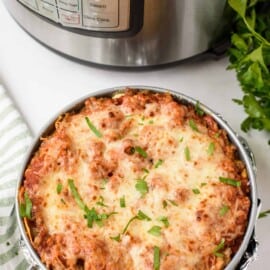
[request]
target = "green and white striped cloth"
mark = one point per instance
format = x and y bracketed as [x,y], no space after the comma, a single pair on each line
[14,141]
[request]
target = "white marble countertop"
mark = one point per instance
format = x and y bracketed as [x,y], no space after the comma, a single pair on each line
[41,82]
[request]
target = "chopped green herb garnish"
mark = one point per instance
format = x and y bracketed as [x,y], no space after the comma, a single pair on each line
[122,202]
[159,162]
[126,227]
[164,220]
[203,184]
[187,153]
[140,216]
[59,188]
[211,148]
[230,181]
[63,201]
[141,186]
[140,151]
[181,139]
[155,230]
[91,215]
[117,238]
[145,170]
[196,191]
[223,210]
[151,122]
[193,125]
[156,258]
[173,202]
[76,194]
[198,109]
[219,248]
[26,207]
[165,204]
[217,134]
[264,214]
[93,128]
[101,202]
[103,183]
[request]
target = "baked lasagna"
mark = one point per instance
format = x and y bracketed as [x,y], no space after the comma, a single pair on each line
[136,181]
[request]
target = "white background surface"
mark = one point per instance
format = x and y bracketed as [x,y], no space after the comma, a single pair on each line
[42,82]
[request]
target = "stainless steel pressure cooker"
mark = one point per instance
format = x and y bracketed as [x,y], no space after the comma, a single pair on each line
[124,33]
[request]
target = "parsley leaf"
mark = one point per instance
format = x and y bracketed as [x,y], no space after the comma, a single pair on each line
[140,151]
[155,230]
[93,128]
[223,210]
[193,125]
[230,181]
[211,149]
[196,191]
[159,162]
[198,109]
[140,216]
[59,188]
[250,57]
[264,214]
[164,220]
[117,238]
[219,248]
[142,186]
[122,202]
[156,258]
[187,153]
[26,207]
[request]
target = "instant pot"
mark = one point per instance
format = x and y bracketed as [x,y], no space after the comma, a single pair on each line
[127,33]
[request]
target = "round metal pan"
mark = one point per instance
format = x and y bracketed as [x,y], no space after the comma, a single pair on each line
[247,250]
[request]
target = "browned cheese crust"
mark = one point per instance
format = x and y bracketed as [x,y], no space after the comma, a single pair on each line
[142,152]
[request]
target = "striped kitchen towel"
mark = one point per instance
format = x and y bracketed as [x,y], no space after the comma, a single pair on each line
[14,141]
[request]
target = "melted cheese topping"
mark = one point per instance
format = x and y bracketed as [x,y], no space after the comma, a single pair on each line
[180,160]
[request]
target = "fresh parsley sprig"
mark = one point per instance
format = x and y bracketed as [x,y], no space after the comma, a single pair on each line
[250,58]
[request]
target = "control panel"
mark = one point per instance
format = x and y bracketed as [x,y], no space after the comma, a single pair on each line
[95,15]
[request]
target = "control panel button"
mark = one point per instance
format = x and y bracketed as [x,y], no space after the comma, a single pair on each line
[48,10]
[93,20]
[30,3]
[69,5]
[108,6]
[100,13]
[68,18]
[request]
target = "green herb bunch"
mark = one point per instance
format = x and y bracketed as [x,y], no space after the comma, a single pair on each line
[250,57]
